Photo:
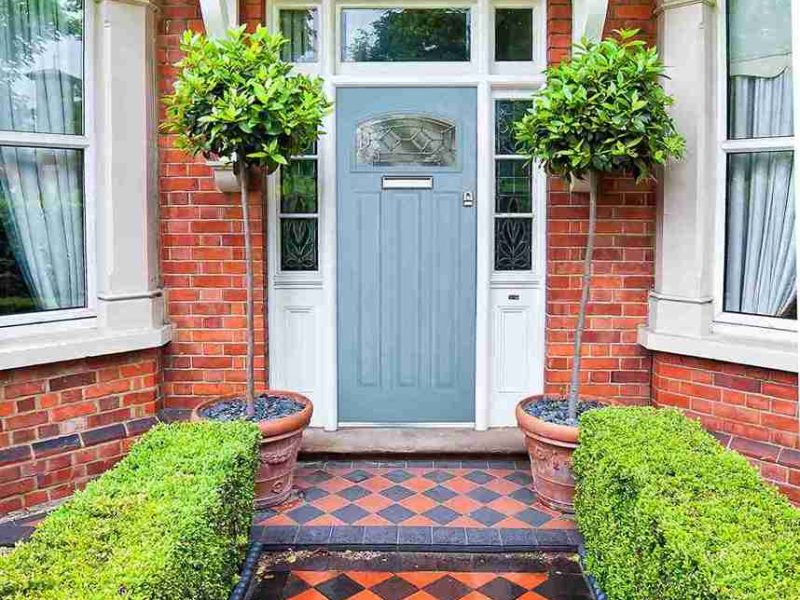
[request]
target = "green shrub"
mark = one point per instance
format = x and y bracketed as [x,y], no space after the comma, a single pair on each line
[170,521]
[667,513]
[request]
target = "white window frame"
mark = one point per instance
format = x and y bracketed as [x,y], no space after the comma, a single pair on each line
[315,215]
[520,67]
[725,320]
[17,324]
[310,68]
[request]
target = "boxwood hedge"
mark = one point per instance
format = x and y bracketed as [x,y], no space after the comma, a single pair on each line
[666,512]
[170,521]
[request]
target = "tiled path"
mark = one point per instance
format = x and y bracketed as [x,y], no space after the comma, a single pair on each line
[416,503]
[421,576]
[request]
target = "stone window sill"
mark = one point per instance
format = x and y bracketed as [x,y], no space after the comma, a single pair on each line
[779,354]
[70,345]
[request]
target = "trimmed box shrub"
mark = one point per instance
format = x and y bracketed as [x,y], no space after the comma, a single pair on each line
[666,512]
[170,521]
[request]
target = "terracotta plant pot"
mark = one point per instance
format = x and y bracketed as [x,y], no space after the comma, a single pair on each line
[280,443]
[550,448]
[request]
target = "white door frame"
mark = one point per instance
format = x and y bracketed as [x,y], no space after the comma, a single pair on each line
[302,306]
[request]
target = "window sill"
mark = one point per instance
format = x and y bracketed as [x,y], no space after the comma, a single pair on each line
[756,351]
[71,345]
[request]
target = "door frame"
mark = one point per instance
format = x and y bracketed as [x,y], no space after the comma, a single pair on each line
[313,295]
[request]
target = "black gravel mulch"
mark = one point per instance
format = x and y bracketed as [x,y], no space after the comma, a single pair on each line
[555,410]
[268,408]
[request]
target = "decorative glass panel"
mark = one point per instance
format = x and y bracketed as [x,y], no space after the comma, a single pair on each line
[513,244]
[41,66]
[42,258]
[508,112]
[299,244]
[411,140]
[403,34]
[760,260]
[759,68]
[513,34]
[513,186]
[299,26]
[299,186]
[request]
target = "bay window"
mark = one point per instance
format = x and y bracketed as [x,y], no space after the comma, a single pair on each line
[760,269]
[43,146]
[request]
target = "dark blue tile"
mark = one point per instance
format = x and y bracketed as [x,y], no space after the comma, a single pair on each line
[487,516]
[419,463]
[353,493]
[314,493]
[279,534]
[394,588]
[473,463]
[553,537]
[441,514]
[317,476]
[347,534]
[502,464]
[524,495]
[438,476]
[350,513]
[397,493]
[339,464]
[440,494]
[304,514]
[483,537]
[501,588]
[314,534]
[357,476]
[398,476]
[448,464]
[380,535]
[518,537]
[447,588]
[396,513]
[533,517]
[449,536]
[340,587]
[520,478]
[479,477]
[481,494]
[414,535]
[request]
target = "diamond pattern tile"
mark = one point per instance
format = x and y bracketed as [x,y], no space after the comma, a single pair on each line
[470,494]
[425,585]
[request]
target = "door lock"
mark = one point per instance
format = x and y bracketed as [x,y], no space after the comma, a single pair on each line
[467,200]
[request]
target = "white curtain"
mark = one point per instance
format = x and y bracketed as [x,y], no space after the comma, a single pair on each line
[41,189]
[761,267]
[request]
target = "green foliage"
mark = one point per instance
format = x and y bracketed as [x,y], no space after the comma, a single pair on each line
[235,98]
[170,521]
[666,512]
[603,110]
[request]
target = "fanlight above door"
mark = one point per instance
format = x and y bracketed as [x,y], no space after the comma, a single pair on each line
[406,140]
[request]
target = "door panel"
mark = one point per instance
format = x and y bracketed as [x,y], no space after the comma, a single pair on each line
[406,257]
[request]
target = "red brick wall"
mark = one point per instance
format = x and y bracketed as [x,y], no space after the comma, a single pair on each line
[613,366]
[64,423]
[202,251]
[753,411]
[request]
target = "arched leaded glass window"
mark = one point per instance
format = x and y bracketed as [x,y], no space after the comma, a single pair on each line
[406,140]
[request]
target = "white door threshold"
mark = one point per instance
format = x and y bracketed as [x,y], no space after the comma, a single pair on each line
[409,440]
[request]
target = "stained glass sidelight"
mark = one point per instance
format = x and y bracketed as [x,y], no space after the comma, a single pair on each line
[513,244]
[299,187]
[513,34]
[513,186]
[299,26]
[507,112]
[409,140]
[299,245]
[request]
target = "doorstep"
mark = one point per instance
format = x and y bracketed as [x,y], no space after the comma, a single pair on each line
[407,440]
[448,505]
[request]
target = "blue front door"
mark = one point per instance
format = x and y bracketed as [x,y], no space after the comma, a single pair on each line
[406,227]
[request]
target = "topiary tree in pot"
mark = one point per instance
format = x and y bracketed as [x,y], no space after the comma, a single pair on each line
[602,111]
[235,100]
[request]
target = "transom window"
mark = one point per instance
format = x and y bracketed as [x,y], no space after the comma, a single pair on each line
[43,146]
[760,270]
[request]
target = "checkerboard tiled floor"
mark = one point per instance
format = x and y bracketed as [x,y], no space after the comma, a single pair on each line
[483,503]
[443,578]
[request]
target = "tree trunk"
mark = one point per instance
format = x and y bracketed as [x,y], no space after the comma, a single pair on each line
[248,278]
[586,282]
